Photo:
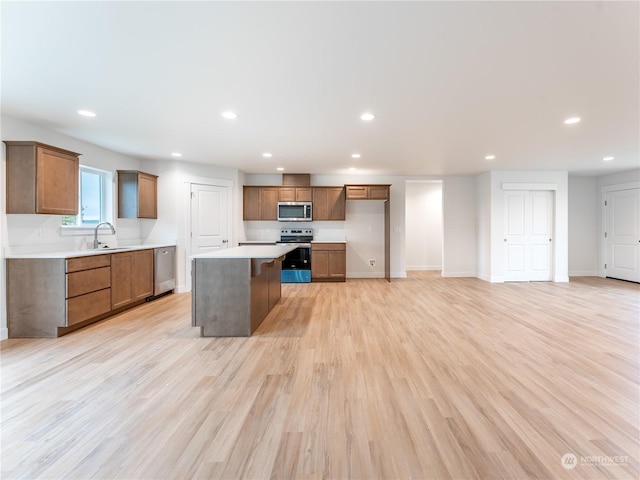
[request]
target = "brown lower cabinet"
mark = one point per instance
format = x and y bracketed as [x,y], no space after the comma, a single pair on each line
[328,262]
[131,277]
[48,297]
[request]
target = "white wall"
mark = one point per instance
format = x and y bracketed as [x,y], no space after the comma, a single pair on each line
[483,226]
[423,221]
[619,178]
[459,226]
[583,226]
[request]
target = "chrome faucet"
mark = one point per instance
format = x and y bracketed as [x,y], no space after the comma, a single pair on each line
[96,243]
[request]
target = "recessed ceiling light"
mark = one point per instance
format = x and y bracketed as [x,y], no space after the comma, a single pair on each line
[490,157]
[176,154]
[367,116]
[267,155]
[572,120]
[229,115]
[86,113]
[355,155]
[280,169]
[608,159]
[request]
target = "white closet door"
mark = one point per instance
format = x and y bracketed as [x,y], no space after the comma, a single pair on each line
[528,236]
[622,242]
[541,236]
[516,236]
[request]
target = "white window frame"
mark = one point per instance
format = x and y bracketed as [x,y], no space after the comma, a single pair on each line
[106,206]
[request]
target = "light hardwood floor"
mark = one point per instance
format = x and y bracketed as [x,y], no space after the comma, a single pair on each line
[424,377]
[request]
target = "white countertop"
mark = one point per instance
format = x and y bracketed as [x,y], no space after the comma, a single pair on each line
[86,253]
[264,242]
[249,251]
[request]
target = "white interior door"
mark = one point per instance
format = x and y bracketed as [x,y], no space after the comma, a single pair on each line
[528,235]
[622,241]
[209,222]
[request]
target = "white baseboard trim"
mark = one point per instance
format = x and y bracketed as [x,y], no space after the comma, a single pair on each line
[561,279]
[458,274]
[4,333]
[398,274]
[365,275]
[419,268]
[584,273]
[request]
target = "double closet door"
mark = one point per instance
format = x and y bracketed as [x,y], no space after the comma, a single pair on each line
[528,235]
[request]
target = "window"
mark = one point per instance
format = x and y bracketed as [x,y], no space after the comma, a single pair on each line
[94,199]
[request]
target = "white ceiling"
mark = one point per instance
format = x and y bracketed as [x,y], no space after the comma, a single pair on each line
[449,82]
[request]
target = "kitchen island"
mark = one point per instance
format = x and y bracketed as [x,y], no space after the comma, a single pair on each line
[233,290]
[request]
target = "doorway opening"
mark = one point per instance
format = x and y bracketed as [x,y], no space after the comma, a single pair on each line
[423,225]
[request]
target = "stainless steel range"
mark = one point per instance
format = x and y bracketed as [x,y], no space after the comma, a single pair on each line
[296,266]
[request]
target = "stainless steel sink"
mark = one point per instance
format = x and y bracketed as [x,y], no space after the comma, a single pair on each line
[111,249]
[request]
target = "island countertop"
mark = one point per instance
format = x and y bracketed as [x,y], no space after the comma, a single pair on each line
[249,251]
[234,289]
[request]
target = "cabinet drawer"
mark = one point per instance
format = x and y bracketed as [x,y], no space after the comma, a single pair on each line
[88,306]
[86,281]
[340,247]
[86,263]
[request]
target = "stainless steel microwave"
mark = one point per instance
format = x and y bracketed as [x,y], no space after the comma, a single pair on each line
[294,212]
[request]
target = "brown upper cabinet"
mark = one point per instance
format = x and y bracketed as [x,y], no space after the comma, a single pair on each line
[260,203]
[367,192]
[252,203]
[328,203]
[137,194]
[41,179]
[270,203]
[294,194]
[296,179]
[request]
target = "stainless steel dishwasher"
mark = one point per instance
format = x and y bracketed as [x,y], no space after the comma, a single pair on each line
[164,270]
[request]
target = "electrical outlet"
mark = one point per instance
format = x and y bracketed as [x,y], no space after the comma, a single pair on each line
[372,262]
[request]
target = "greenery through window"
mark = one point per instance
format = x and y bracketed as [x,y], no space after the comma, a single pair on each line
[93,195]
